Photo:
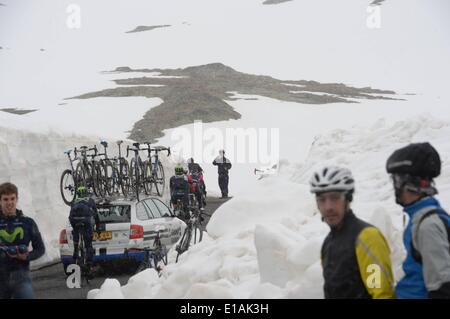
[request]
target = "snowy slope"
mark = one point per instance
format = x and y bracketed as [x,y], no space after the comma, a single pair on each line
[322,40]
[297,124]
[265,243]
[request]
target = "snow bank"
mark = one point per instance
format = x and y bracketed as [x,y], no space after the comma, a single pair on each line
[34,161]
[265,243]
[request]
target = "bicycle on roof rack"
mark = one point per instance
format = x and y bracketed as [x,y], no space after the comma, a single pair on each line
[115,170]
[69,181]
[112,176]
[154,170]
[137,171]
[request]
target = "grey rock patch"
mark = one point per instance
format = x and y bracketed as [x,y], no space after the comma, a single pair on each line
[142,28]
[377,2]
[16,111]
[275,1]
[201,92]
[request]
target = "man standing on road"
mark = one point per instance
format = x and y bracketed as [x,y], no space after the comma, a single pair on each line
[223,166]
[16,233]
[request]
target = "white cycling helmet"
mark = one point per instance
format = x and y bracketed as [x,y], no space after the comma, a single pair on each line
[332,178]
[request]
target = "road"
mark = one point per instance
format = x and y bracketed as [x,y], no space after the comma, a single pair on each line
[50,282]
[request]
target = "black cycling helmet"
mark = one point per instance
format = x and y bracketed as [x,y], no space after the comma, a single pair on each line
[417,159]
[413,168]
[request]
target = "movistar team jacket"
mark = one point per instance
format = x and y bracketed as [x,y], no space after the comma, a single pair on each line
[19,230]
[356,262]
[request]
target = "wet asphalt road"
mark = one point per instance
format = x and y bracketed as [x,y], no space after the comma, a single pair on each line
[50,282]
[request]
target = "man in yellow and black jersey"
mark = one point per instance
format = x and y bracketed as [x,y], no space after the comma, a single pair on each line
[355,255]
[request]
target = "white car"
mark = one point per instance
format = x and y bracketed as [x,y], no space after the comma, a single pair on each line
[127,224]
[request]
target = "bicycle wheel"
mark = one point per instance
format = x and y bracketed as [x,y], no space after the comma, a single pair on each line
[184,242]
[124,177]
[148,178]
[163,255]
[159,177]
[83,175]
[197,235]
[108,176]
[68,187]
[135,178]
[116,182]
[81,260]
[98,177]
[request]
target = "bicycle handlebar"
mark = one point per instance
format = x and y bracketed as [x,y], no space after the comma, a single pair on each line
[157,149]
[85,149]
[136,149]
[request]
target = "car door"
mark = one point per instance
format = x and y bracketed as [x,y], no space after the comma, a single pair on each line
[157,223]
[174,224]
[115,221]
[144,218]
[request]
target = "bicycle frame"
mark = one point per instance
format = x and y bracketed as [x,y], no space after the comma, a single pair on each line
[71,161]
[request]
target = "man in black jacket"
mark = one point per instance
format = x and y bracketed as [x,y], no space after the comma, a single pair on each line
[223,166]
[16,233]
[355,255]
[84,212]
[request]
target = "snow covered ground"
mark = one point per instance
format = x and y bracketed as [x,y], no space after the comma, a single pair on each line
[265,242]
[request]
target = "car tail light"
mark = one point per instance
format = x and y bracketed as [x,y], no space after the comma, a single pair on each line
[63,237]
[136,232]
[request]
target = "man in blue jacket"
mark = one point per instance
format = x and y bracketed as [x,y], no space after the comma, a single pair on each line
[16,233]
[426,237]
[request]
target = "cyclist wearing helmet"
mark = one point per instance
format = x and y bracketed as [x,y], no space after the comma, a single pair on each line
[355,255]
[83,211]
[195,179]
[179,188]
[427,235]
[196,171]
[16,233]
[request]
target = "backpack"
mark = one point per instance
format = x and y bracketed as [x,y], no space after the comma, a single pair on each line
[432,211]
[81,209]
[179,184]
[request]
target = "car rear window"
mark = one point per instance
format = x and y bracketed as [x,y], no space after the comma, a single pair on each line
[114,213]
